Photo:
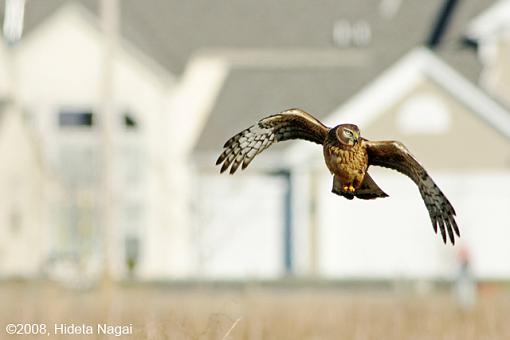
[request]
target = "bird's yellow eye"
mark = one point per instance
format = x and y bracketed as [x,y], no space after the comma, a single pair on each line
[348,133]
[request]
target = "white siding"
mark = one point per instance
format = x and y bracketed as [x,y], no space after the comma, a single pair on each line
[393,237]
[23,241]
[239,226]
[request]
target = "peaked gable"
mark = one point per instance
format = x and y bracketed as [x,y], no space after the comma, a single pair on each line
[81,19]
[369,107]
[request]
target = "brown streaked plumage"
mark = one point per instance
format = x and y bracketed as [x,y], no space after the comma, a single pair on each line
[347,156]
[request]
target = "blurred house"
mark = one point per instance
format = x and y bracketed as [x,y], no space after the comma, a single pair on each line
[59,70]
[426,99]
[186,75]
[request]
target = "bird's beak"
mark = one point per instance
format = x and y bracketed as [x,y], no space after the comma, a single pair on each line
[356,140]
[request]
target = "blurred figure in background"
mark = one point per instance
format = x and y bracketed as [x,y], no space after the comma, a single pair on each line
[465,285]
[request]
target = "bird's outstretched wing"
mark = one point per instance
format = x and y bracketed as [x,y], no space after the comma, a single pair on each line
[289,124]
[394,155]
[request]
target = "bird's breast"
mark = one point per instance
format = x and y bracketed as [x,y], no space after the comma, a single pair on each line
[346,162]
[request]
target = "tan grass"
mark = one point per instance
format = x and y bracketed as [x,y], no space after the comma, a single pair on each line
[259,313]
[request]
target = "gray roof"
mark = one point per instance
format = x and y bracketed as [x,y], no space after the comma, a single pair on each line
[170,31]
[252,93]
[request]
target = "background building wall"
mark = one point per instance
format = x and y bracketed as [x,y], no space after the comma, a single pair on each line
[23,228]
[58,68]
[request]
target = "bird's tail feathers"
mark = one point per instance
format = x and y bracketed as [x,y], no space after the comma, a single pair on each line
[367,191]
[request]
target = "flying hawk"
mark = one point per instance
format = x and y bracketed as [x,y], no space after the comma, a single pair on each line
[347,157]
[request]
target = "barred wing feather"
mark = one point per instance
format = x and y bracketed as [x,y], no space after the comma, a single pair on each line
[242,148]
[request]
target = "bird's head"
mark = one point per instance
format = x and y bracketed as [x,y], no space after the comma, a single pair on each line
[348,134]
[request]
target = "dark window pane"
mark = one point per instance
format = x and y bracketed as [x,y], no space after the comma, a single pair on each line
[130,121]
[75,119]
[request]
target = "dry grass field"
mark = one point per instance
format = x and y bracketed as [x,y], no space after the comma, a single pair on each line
[258,312]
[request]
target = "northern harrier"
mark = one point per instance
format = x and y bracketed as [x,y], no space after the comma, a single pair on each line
[347,157]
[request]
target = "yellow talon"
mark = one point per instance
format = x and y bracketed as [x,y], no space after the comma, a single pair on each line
[349,188]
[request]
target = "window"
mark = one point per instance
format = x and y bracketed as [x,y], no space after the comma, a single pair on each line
[348,34]
[79,162]
[134,164]
[75,118]
[342,33]
[130,122]
[86,119]
[424,114]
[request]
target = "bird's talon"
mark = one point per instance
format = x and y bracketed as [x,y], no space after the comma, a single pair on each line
[349,188]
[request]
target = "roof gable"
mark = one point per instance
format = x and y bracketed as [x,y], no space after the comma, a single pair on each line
[365,108]
[81,17]
[440,130]
[405,73]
